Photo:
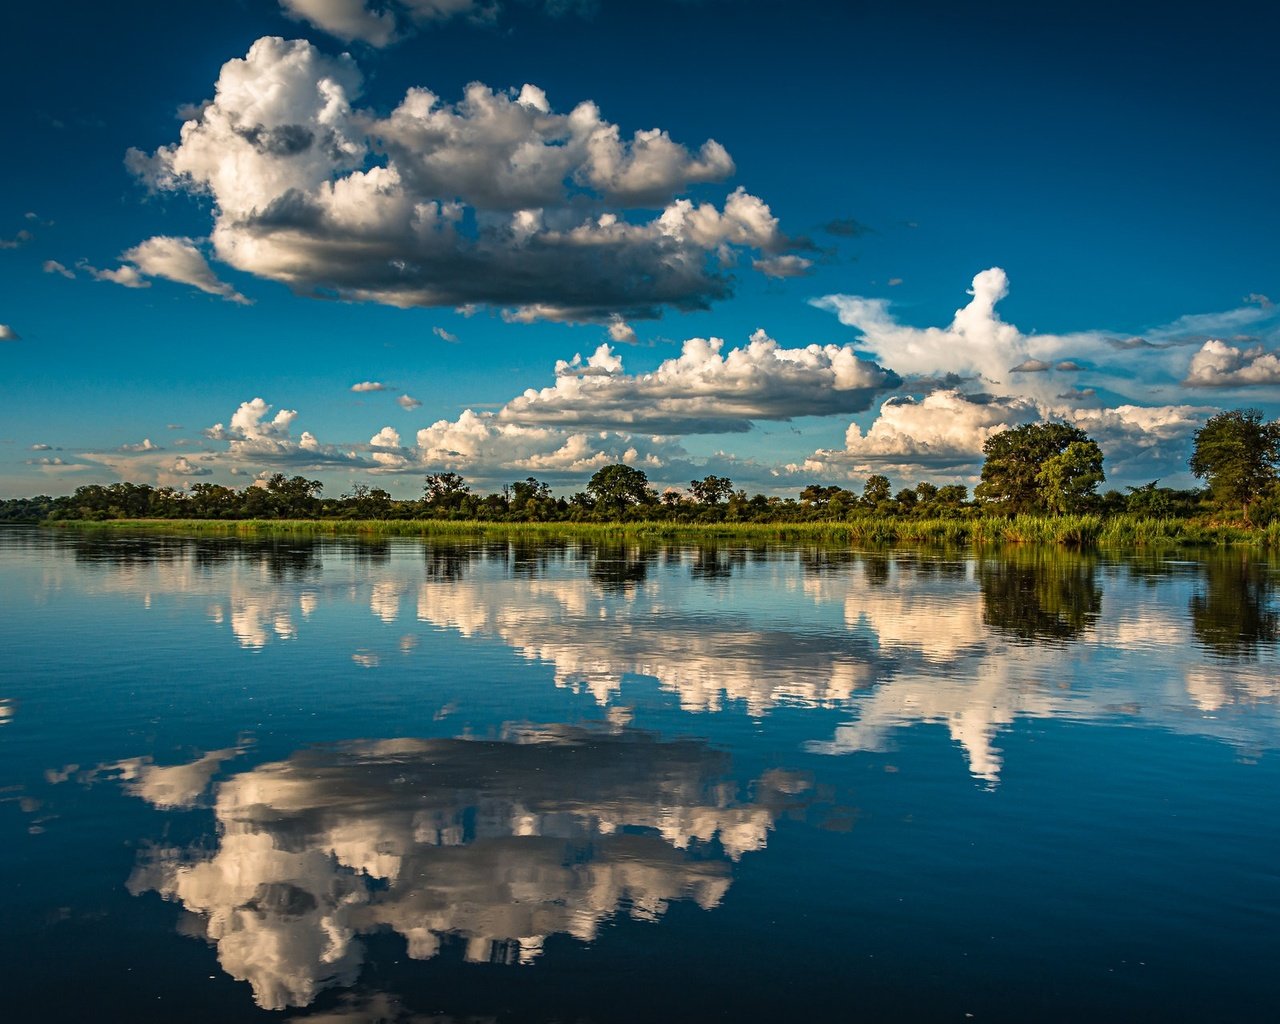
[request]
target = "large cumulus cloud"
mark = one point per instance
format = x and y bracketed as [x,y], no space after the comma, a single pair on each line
[494,200]
[706,389]
[1016,378]
[943,434]
[1012,362]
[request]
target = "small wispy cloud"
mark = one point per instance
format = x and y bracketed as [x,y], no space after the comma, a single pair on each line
[54,267]
[174,259]
[622,332]
[444,335]
[847,227]
[408,402]
[20,239]
[369,385]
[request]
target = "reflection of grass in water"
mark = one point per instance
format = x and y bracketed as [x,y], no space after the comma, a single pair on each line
[1081,531]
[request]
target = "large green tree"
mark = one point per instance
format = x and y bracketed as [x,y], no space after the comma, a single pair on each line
[1236,453]
[1070,479]
[445,491]
[711,490]
[617,487]
[1040,467]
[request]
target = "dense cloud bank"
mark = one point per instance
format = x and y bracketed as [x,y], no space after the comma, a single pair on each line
[495,200]
[955,387]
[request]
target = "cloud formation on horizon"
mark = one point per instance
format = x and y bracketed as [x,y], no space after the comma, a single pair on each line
[944,430]
[594,412]
[705,389]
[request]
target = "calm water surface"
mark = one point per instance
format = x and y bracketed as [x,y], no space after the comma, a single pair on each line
[406,781]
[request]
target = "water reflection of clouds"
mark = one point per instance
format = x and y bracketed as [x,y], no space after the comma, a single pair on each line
[891,639]
[494,844]
[592,642]
[981,681]
[168,787]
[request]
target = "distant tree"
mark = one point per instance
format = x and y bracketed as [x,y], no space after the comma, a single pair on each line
[531,499]
[365,502]
[1016,459]
[212,501]
[671,497]
[445,491]
[527,490]
[711,490]
[876,490]
[295,496]
[615,488]
[1236,453]
[817,494]
[1149,500]
[926,494]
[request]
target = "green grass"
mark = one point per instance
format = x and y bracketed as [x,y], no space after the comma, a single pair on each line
[1078,531]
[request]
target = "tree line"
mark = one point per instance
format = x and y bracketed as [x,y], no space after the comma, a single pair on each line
[1040,468]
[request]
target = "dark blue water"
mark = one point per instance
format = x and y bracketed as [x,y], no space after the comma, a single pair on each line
[254,780]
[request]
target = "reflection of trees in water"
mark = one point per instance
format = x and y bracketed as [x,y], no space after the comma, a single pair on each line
[293,558]
[1232,613]
[929,567]
[491,845]
[530,558]
[820,561]
[875,568]
[366,552]
[446,563]
[102,549]
[1040,593]
[618,567]
[710,562]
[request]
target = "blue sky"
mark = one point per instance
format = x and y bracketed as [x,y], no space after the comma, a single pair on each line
[1094,184]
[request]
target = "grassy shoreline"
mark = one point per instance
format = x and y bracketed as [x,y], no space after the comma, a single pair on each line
[1083,531]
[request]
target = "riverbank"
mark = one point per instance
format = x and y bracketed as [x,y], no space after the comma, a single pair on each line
[1083,531]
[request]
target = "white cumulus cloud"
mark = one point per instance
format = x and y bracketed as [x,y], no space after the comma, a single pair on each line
[175,259]
[494,200]
[705,389]
[1219,364]
[943,434]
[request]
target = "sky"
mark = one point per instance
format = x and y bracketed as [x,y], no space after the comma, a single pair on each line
[787,243]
